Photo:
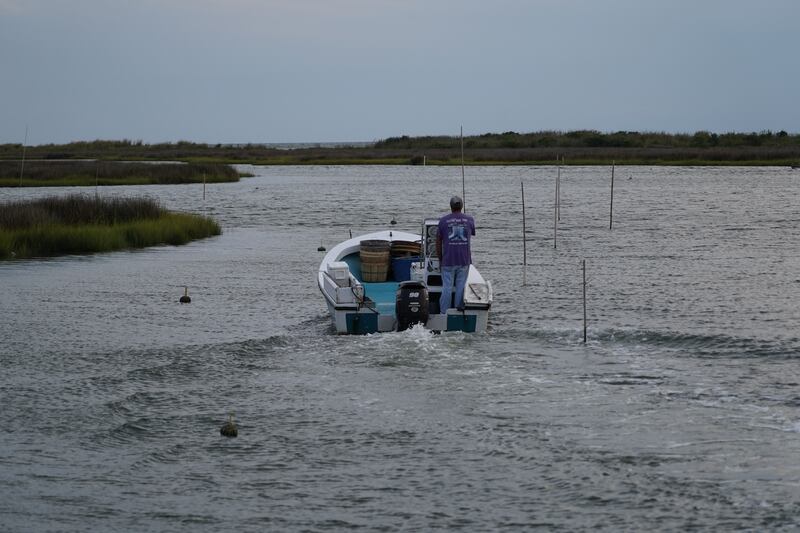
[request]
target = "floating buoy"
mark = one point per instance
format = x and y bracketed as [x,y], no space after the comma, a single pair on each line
[185,298]
[393,222]
[321,248]
[229,428]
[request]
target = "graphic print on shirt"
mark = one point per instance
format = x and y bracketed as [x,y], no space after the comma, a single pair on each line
[458,232]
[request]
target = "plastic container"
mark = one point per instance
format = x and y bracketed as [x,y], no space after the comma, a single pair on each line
[401,267]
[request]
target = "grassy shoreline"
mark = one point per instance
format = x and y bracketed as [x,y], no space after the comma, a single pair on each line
[567,162]
[78,224]
[582,147]
[60,173]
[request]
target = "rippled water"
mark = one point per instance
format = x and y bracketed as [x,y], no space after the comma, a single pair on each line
[681,412]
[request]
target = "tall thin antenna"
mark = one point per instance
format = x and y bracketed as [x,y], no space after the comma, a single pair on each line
[24,146]
[463,188]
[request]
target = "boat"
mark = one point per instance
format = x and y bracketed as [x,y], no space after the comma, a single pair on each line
[375,283]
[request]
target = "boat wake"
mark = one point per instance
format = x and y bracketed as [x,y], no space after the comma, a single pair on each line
[693,344]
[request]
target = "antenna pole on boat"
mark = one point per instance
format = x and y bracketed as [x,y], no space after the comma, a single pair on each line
[24,146]
[611,209]
[463,190]
[524,239]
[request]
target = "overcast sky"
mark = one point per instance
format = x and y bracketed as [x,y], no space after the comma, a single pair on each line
[360,70]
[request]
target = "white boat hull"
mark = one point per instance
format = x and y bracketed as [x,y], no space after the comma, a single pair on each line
[355,309]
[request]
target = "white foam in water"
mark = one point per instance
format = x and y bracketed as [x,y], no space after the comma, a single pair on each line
[413,340]
[419,333]
[422,339]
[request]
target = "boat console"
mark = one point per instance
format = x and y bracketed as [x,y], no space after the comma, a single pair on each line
[427,270]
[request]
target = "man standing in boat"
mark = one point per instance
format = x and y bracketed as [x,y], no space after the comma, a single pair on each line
[452,245]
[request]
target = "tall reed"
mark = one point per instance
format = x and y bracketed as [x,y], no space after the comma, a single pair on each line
[75,173]
[80,224]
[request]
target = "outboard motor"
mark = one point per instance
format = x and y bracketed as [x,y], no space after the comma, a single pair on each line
[411,304]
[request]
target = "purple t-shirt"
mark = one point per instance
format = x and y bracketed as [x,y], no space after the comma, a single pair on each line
[455,230]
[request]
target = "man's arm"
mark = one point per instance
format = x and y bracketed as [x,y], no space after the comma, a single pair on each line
[439,245]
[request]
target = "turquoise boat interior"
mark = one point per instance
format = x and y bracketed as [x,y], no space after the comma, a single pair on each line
[383,294]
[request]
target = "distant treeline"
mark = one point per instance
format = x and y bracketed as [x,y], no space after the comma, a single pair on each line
[49,173]
[596,139]
[543,147]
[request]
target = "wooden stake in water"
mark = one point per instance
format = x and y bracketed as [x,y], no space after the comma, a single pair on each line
[524,239]
[555,217]
[24,146]
[96,179]
[204,186]
[558,191]
[583,265]
[611,209]
[463,188]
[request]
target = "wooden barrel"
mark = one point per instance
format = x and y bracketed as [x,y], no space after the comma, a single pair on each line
[374,260]
[374,272]
[405,249]
[374,257]
[375,245]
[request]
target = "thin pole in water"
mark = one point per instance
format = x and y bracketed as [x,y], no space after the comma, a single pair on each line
[204,186]
[524,239]
[555,217]
[558,190]
[96,178]
[24,146]
[611,209]
[463,188]
[583,264]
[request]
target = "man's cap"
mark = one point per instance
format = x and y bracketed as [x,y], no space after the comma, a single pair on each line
[456,202]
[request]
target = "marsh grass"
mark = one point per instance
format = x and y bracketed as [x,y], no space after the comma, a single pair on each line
[79,225]
[86,173]
[580,147]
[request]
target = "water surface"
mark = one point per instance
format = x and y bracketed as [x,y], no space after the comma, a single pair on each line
[681,411]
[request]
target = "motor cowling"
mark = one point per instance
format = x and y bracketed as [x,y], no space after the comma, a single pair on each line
[411,304]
